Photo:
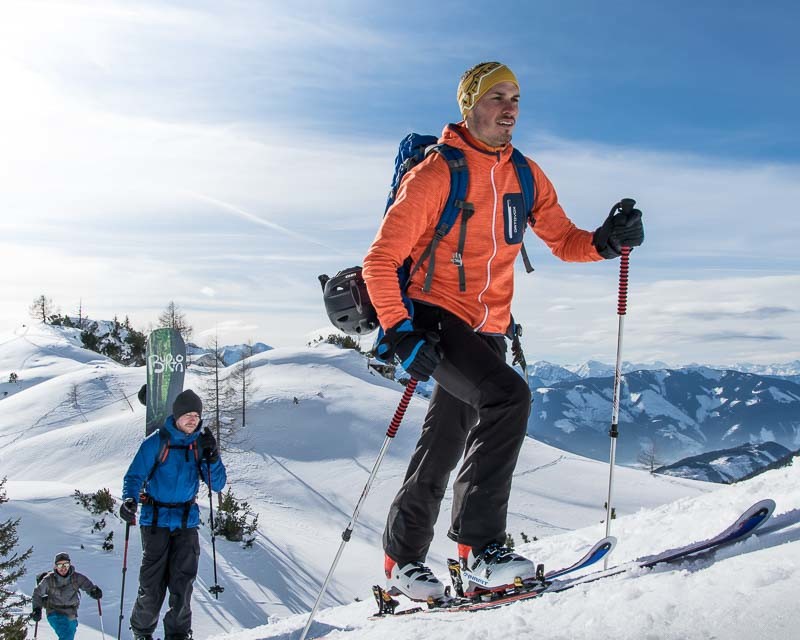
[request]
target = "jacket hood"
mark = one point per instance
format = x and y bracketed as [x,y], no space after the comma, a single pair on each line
[457,135]
[177,436]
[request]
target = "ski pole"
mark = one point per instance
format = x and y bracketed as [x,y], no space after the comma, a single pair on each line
[625,205]
[390,433]
[124,571]
[216,589]
[100,613]
[35,629]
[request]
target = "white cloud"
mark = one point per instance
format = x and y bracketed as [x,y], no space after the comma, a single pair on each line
[120,189]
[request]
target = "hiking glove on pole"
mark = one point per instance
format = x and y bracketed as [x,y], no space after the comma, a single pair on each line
[208,446]
[36,614]
[623,229]
[128,511]
[96,593]
[418,351]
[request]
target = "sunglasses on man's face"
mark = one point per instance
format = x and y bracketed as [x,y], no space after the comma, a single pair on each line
[62,565]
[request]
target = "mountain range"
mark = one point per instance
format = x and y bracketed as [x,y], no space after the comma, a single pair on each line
[675,412]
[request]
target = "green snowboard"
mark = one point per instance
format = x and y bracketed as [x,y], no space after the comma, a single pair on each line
[166,366]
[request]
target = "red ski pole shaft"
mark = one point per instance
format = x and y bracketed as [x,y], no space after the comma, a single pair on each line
[391,432]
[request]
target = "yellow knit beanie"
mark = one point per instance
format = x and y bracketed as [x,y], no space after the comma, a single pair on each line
[478,80]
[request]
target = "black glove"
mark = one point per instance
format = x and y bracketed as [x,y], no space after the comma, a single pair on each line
[142,395]
[96,592]
[36,614]
[128,511]
[418,351]
[207,444]
[622,228]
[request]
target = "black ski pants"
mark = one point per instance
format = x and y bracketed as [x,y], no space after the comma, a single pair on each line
[169,562]
[479,410]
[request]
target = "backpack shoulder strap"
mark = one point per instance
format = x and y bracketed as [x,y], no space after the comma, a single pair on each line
[161,455]
[528,187]
[454,205]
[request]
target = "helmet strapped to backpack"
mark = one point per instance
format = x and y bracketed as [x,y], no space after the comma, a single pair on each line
[347,302]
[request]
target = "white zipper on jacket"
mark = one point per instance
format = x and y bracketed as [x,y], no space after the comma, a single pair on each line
[494,251]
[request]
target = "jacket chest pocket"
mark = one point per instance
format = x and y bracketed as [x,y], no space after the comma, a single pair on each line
[513,218]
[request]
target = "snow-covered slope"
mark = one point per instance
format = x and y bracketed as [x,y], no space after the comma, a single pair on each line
[37,353]
[302,467]
[747,590]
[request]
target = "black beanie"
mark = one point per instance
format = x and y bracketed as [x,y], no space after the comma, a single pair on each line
[61,557]
[143,394]
[186,402]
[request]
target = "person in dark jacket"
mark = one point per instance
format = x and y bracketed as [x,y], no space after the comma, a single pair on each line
[58,592]
[164,477]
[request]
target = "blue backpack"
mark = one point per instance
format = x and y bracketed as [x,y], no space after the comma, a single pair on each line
[414,148]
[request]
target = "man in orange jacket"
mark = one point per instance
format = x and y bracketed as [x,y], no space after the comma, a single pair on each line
[455,333]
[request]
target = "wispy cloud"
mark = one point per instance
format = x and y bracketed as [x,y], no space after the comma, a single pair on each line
[762,313]
[223,159]
[305,236]
[733,336]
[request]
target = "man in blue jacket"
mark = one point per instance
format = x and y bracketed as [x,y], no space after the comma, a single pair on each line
[165,477]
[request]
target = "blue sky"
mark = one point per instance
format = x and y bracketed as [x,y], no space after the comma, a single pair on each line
[222,154]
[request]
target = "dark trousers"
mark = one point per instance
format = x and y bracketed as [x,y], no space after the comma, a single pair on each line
[169,562]
[479,410]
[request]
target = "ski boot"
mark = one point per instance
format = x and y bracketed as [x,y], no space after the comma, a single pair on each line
[495,569]
[413,580]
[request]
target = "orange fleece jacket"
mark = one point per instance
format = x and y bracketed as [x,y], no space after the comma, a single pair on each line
[491,245]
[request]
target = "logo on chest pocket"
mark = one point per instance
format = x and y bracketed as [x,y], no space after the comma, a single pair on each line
[513,217]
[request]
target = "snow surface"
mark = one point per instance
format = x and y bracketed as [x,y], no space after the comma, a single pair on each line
[302,466]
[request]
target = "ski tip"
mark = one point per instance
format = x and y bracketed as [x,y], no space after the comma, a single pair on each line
[767,506]
[756,515]
[607,544]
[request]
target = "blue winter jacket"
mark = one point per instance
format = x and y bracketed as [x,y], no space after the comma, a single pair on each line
[176,479]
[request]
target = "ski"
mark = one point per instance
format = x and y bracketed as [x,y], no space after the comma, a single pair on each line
[752,519]
[742,527]
[166,366]
[509,593]
[748,522]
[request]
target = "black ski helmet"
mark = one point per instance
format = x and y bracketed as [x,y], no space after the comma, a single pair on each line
[347,302]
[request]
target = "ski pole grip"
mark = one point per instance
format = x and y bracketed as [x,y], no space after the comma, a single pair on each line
[622,304]
[401,408]
[626,205]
